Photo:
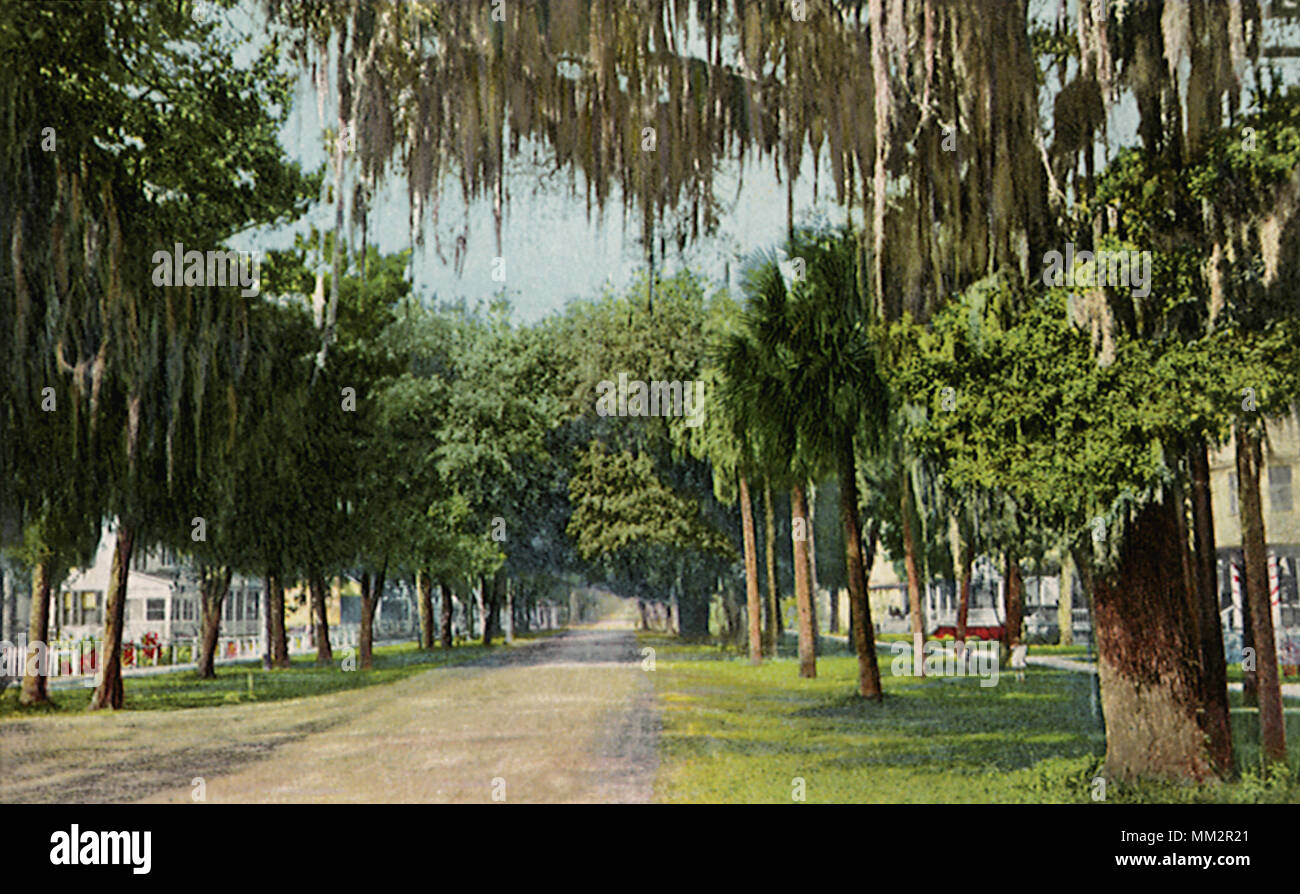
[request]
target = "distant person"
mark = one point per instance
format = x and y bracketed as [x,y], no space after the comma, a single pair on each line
[1019,658]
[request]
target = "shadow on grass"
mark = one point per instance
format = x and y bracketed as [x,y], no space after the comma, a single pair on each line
[738,733]
[302,679]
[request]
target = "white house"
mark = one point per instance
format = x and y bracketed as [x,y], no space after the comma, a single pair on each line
[162,597]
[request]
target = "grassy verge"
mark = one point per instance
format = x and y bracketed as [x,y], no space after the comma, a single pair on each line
[736,733]
[1236,676]
[169,692]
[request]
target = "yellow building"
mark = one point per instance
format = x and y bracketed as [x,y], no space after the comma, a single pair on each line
[1281,465]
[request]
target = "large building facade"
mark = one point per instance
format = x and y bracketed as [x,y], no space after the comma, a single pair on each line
[162,599]
[1279,474]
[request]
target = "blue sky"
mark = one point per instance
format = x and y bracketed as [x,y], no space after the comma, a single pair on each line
[553,250]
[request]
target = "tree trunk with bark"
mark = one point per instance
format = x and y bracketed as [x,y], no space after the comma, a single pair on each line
[812,565]
[855,566]
[1249,674]
[509,632]
[963,596]
[1272,731]
[751,574]
[214,584]
[486,597]
[268,584]
[803,581]
[444,618]
[773,632]
[1148,656]
[108,694]
[1065,602]
[424,587]
[279,639]
[372,590]
[35,689]
[320,619]
[1214,668]
[1015,607]
[914,607]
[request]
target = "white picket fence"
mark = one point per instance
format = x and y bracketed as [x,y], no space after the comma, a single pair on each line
[80,658]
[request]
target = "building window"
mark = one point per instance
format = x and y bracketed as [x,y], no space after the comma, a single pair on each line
[1279,488]
[1287,591]
[155,610]
[251,610]
[90,611]
[1232,493]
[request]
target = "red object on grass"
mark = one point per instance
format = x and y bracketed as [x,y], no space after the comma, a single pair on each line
[984,633]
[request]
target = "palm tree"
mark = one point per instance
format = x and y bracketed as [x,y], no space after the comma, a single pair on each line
[803,372]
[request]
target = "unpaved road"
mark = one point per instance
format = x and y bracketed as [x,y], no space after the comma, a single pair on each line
[564,719]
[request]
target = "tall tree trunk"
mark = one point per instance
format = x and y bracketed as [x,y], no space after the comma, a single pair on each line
[265,603]
[497,594]
[372,590]
[214,584]
[279,640]
[485,600]
[1015,607]
[773,632]
[802,581]
[868,562]
[1272,731]
[509,632]
[812,564]
[320,618]
[1065,602]
[468,615]
[364,644]
[855,566]
[444,617]
[963,597]
[1249,676]
[424,586]
[36,667]
[108,694]
[914,607]
[1148,657]
[1214,669]
[751,573]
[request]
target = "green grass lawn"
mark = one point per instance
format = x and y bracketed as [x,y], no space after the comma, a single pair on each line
[1034,648]
[167,692]
[1236,676]
[737,733]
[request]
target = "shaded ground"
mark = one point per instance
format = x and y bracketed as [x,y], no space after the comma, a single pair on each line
[733,733]
[569,718]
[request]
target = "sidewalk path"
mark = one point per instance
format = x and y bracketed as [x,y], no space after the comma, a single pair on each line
[568,718]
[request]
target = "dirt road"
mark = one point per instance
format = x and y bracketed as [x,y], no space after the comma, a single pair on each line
[564,719]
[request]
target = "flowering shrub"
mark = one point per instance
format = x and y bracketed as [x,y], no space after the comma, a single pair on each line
[149,644]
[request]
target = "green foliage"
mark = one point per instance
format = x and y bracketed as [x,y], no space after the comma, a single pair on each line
[619,504]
